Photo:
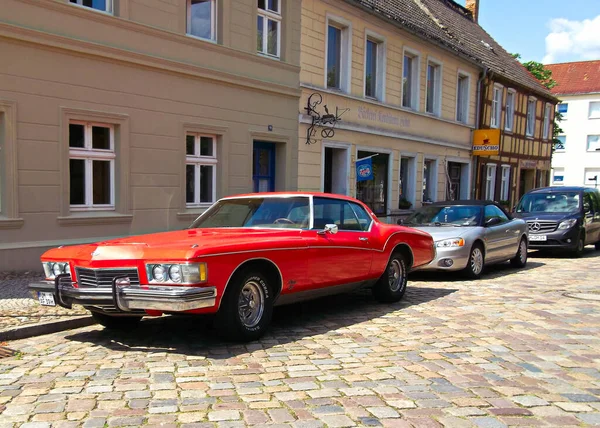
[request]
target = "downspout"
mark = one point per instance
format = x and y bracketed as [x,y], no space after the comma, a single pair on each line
[478,105]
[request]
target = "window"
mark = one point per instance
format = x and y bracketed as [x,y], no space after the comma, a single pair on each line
[429,180]
[593,143]
[433,98]
[496,107]
[338,55]
[505,182]
[592,177]
[560,145]
[200,169]
[547,112]
[510,110]
[268,27]
[492,211]
[594,112]
[558,176]
[91,166]
[490,181]
[374,69]
[563,108]
[462,98]
[102,5]
[531,102]
[374,193]
[410,81]
[346,215]
[201,16]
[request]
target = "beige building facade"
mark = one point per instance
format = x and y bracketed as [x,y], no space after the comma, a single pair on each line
[120,117]
[404,101]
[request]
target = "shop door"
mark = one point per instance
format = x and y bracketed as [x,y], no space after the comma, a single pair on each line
[263,169]
[335,179]
[454,173]
[374,192]
[526,181]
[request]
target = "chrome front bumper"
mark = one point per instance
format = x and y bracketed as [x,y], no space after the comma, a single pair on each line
[127,298]
[459,257]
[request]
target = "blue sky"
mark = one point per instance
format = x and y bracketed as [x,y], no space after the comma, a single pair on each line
[548,31]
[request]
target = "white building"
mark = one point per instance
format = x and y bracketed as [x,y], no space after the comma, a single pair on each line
[576,160]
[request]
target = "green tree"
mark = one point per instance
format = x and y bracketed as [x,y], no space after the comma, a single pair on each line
[541,73]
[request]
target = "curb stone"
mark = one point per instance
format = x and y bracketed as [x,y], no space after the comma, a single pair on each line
[45,328]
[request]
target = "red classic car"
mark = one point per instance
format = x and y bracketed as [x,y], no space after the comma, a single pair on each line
[240,258]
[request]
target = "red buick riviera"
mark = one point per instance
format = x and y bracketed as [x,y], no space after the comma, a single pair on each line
[239,259]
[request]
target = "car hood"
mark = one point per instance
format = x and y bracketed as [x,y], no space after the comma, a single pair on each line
[446,232]
[178,245]
[545,216]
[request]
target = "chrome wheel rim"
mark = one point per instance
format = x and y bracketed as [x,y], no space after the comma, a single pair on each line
[395,275]
[251,304]
[523,252]
[476,261]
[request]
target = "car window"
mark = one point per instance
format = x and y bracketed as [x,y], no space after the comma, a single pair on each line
[588,204]
[363,218]
[549,202]
[492,211]
[335,211]
[595,201]
[456,215]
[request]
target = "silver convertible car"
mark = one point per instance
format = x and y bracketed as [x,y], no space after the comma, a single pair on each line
[471,234]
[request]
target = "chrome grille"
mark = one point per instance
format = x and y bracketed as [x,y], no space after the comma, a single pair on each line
[104,277]
[541,226]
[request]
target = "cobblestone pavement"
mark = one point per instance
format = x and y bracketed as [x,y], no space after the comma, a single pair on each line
[510,349]
[17,308]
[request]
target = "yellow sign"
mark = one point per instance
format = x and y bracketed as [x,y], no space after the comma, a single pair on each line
[486,142]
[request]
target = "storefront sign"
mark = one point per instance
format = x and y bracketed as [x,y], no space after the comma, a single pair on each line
[486,142]
[364,169]
[367,113]
[528,164]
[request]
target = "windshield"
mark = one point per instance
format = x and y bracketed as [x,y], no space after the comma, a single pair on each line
[288,213]
[554,202]
[459,215]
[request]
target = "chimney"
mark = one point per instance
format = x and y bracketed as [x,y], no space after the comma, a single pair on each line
[473,6]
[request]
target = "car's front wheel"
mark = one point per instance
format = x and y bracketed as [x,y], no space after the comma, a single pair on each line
[391,286]
[520,260]
[246,308]
[579,249]
[476,262]
[112,322]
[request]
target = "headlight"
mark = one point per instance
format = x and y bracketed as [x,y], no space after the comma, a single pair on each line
[453,242]
[567,224]
[175,273]
[53,269]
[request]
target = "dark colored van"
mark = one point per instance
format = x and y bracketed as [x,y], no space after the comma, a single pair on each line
[561,218]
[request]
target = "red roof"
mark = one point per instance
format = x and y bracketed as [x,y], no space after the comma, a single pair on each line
[581,77]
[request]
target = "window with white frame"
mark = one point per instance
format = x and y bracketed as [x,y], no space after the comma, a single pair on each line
[91,166]
[410,82]
[433,97]
[200,169]
[591,177]
[558,176]
[429,180]
[531,102]
[337,71]
[561,144]
[594,112]
[201,18]
[462,98]
[496,107]
[505,182]
[374,68]
[547,113]
[593,143]
[490,181]
[563,109]
[101,5]
[509,115]
[268,27]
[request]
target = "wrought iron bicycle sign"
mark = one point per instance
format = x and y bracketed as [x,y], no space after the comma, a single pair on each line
[326,122]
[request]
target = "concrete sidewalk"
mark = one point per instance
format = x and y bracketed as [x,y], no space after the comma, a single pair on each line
[21,316]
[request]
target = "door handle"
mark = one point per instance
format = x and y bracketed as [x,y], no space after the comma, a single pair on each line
[362,238]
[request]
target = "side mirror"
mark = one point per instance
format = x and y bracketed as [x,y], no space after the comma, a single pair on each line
[400,221]
[493,221]
[331,228]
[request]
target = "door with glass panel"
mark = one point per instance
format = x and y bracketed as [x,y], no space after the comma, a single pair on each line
[263,171]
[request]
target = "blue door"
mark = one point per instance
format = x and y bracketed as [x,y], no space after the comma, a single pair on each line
[263,173]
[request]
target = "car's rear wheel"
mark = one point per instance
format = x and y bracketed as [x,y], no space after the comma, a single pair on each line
[597,246]
[247,307]
[579,249]
[520,260]
[476,261]
[391,286]
[114,322]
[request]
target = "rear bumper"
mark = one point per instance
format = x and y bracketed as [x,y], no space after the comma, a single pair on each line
[129,298]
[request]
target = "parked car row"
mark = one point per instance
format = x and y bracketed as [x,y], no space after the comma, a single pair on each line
[247,254]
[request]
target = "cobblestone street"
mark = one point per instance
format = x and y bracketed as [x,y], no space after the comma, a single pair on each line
[509,350]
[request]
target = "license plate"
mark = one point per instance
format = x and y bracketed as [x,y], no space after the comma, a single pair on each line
[46,299]
[537,237]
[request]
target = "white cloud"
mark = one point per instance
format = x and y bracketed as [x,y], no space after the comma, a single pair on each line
[572,40]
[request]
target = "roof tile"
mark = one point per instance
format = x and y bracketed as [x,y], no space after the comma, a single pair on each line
[576,77]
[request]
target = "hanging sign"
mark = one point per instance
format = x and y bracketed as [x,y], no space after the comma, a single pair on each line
[486,142]
[364,169]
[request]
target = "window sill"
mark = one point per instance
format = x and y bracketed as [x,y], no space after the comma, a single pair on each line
[11,223]
[94,218]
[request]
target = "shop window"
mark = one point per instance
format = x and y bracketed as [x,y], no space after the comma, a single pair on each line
[374,192]
[429,180]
